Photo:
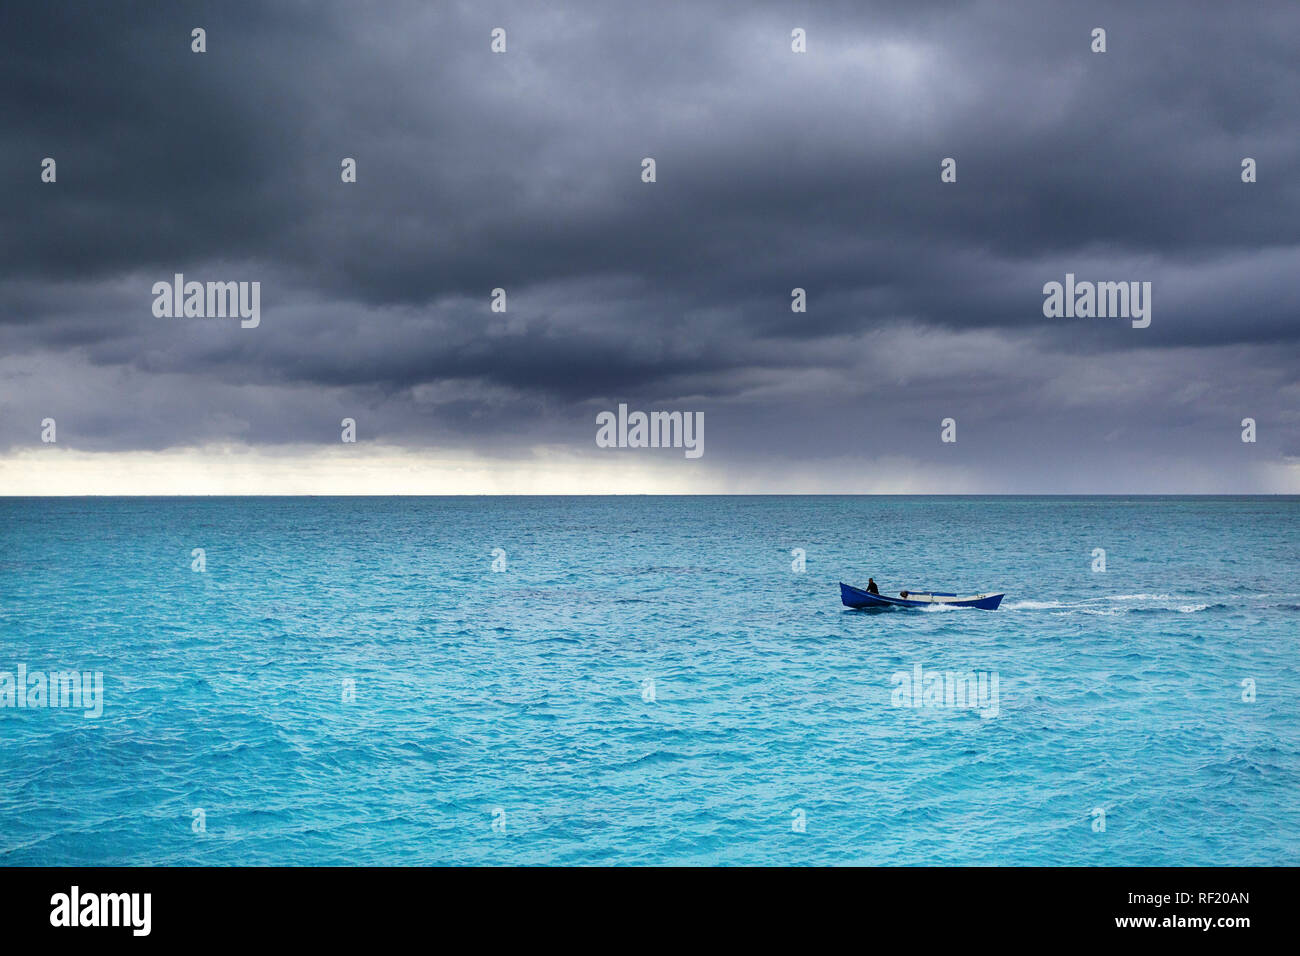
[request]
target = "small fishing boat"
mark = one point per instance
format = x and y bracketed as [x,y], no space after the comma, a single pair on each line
[858,598]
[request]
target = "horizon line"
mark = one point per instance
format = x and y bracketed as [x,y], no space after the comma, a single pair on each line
[737,494]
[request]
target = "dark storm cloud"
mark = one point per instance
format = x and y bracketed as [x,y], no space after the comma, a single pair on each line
[775,170]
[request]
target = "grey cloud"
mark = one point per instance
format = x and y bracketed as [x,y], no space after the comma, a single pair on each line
[522,171]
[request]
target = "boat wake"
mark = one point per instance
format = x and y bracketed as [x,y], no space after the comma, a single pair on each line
[1035,605]
[1115,604]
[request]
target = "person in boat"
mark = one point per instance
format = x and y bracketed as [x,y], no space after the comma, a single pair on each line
[902,594]
[871,586]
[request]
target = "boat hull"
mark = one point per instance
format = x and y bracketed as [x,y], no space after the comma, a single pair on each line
[858,598]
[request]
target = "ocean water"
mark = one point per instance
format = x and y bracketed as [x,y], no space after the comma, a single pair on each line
[507,717]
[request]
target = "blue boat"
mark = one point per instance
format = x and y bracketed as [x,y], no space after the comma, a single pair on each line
[858,598]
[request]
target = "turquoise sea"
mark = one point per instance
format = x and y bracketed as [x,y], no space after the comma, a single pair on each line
[650,681]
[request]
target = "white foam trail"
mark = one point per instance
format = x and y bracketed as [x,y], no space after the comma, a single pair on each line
[1164,602]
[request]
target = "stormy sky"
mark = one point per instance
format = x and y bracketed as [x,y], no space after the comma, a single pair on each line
[774,170]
